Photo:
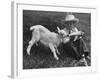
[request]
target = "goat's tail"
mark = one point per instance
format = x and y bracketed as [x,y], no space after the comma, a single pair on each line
[32,28]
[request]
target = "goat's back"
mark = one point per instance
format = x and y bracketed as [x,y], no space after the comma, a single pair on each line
[43,35]
[39,27]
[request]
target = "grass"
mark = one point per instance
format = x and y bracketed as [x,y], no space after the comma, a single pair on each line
[41,56]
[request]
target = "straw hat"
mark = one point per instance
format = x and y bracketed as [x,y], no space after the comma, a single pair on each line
[71,18]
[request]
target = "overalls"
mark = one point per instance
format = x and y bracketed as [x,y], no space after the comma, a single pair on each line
[78,44]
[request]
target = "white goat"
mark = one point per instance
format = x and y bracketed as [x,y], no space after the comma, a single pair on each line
[46,37]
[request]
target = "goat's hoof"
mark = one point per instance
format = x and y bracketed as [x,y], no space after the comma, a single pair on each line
[28,54]
[57,58]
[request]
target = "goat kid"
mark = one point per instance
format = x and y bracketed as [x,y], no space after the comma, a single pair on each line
[47,38]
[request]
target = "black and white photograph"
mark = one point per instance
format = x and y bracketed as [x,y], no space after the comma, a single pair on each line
[52,40]
[55,39]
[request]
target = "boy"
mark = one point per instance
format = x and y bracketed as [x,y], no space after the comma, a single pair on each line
[76,41]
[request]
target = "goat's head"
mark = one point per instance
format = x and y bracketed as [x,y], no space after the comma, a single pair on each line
[61,31]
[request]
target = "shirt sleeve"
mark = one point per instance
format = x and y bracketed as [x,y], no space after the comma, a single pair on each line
[76,37]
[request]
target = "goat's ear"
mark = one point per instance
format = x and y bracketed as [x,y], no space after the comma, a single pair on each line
[58,28]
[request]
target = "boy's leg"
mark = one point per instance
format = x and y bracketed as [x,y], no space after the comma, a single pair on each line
[85,49]
[75,48]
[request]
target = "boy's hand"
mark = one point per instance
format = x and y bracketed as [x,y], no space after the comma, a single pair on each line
[81,32]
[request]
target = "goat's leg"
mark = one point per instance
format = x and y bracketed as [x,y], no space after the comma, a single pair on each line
[29,46]
[57,51]
[54,51]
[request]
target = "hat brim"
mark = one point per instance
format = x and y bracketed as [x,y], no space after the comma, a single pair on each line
[73,20]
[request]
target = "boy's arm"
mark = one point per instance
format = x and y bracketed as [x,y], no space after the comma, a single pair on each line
[78,33]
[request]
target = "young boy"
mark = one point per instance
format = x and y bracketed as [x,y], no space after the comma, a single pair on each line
[76,41]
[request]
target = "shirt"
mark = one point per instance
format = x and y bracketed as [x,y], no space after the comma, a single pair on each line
[73,38]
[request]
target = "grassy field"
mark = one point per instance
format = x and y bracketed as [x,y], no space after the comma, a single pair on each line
[41,56]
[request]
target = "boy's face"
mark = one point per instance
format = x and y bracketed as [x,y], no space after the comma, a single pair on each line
[70,23]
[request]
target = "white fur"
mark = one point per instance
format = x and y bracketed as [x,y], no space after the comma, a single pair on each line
[46,37]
